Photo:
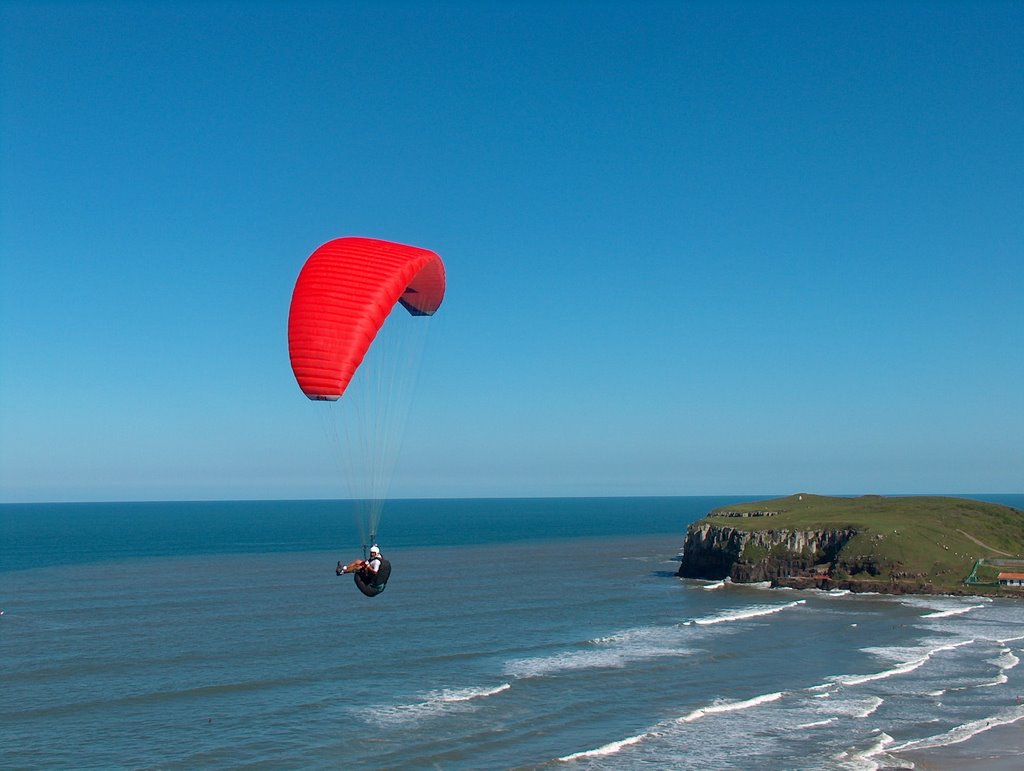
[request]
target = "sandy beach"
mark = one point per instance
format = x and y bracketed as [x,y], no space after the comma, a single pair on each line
[1000,749]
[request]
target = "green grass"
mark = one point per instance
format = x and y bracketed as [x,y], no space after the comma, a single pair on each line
[913,537]
[752,552]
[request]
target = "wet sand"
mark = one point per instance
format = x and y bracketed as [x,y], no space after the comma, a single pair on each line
[999,749]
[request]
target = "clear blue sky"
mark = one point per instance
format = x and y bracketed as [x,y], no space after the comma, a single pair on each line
[691,247]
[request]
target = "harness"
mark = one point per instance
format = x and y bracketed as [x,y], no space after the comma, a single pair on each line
[373,585]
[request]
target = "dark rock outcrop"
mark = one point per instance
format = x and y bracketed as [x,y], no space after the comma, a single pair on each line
[784,557]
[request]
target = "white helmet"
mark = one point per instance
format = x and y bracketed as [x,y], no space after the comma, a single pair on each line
[375,549]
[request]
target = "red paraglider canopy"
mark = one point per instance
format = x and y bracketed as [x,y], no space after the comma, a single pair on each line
[343,294]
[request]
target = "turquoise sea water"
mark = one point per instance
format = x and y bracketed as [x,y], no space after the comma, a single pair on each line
[514,634]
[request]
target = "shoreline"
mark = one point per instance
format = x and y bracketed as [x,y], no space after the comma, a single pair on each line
[1000,748]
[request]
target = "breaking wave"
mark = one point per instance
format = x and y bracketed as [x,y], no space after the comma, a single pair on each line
[816,724]
[952,612]
[433,703]
[962,733]
[729,706]
[717,707]
[742,615]
[901,669]
[608,749]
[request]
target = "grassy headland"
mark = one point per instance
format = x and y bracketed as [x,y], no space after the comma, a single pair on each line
[927,543]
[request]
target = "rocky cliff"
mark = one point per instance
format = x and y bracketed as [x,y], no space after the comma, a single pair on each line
[786,557]
[869,543]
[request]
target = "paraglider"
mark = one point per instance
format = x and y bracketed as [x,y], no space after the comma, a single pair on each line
[344,293]
[371,575]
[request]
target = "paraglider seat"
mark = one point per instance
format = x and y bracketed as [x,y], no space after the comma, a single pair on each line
[379,581]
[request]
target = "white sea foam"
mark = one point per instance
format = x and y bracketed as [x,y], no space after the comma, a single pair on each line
[869,708]
[564,662]
[433,703]
[1006,661]
[857,708]
[938,600]
[611,652]
[904,667]
[962,733]
[928,601]
[718,708]
[744,614]
[608,749]
[640,634]
[466,694]
[952,612]
[927,647]
[716,585]
[864,759]
[999,680]
[816,723]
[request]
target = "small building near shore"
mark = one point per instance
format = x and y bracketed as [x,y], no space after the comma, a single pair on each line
[1011,579]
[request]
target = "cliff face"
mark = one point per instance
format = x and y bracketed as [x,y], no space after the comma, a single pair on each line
[790,557]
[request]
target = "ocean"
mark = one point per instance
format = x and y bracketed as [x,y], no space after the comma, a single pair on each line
[519,633]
